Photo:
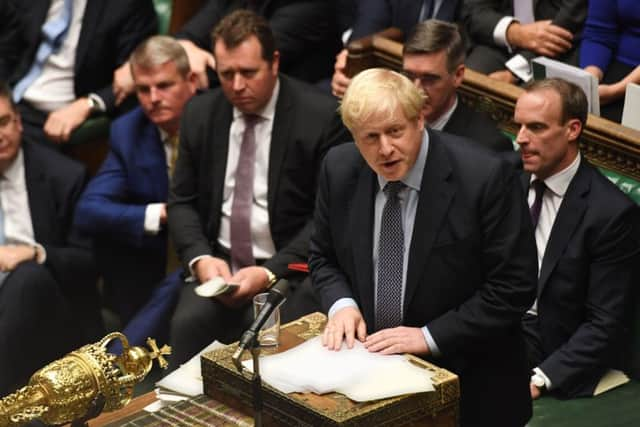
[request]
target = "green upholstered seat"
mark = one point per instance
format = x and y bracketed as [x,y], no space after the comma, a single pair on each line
[619,407]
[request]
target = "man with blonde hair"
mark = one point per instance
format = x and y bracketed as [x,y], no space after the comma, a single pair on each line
[429,250]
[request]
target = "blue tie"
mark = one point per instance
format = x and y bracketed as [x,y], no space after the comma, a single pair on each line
[53,33]
[390,260]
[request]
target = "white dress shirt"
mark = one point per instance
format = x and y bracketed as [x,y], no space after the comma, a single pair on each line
[442,121]
[153,210]
[263,246]
[54,88]
[18,228]
[551,201]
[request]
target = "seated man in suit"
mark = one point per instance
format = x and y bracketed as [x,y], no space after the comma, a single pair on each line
[433,58]
[306,33]
[124,205]
[45,265]
[500,29]
[588,238]
[372,16]
[67,54]
[243,193]
[422,244]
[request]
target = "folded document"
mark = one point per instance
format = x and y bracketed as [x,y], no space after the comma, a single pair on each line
[356,373]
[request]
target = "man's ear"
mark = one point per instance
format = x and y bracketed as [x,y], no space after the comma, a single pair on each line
[574,128]
[458,75]
[275,63]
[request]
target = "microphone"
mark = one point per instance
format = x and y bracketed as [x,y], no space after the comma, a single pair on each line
[277,295]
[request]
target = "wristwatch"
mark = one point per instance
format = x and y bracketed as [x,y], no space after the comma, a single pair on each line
[538,381]
[271,278]
[94,104]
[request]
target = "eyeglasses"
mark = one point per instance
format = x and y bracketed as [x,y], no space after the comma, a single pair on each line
[426,79]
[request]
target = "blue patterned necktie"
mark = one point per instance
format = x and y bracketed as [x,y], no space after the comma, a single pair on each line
[53,32]
[390,260]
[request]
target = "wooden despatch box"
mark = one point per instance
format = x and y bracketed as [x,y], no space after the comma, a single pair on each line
[223,382]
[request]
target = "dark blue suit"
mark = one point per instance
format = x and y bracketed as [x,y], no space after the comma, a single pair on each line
[112,210]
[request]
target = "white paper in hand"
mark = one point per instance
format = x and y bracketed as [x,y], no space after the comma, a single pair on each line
[214,287]
[356,373]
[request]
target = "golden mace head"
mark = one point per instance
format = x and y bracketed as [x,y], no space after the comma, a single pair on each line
[69,388]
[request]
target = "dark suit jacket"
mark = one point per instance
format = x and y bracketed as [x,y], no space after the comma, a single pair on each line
[112,208]
[477,126]
[584,289]
[376,15]
[54,184]
[304,127]
[471,261]
[111,29]
[481,16]
[306,32]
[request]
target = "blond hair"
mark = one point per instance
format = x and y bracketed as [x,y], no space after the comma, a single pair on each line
[377,92]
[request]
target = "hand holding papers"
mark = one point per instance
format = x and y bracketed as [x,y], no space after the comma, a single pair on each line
[356,373]
[214,287]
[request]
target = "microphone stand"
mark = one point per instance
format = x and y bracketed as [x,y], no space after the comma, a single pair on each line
[257,384]
[256,381]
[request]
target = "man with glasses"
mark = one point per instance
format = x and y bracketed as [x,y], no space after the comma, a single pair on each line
[46,267]
[433,58]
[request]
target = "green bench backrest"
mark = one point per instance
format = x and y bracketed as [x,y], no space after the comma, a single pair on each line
[163,10]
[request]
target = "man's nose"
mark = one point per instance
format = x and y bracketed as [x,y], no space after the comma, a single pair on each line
[238,82]
[386,146]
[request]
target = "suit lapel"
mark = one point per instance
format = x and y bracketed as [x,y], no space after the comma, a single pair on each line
[279,140]
[569,216]
[447,11]
[217,165]
[436,194]
[361,225]
[92,14]
[151,158]
[40,205]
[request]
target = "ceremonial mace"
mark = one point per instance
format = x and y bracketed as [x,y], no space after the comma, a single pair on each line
[82,384]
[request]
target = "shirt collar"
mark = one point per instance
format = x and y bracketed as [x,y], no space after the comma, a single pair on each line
[442,121]
[559,182]
[413,178]
[269,110]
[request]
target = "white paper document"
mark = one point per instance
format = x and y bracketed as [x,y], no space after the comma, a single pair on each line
[356,373]
[544,67]
[187,379]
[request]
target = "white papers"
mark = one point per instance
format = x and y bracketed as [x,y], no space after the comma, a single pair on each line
[547,68]
[187,379]
[610,380]
[214,287]
[631,111]
[356,373]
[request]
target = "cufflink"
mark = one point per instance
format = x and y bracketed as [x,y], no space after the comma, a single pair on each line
[538,381]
